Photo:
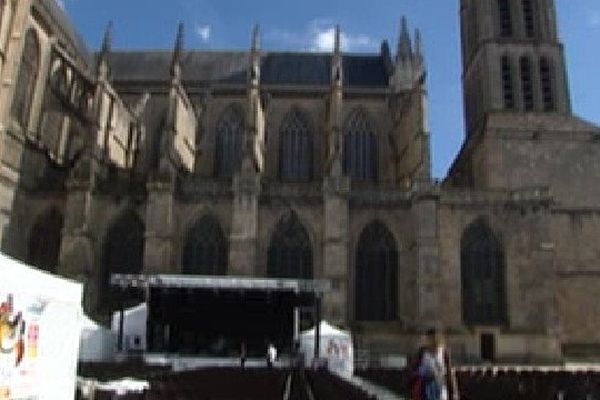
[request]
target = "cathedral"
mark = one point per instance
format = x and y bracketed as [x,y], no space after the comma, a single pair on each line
[314,166]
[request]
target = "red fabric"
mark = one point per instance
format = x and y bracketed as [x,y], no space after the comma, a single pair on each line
[416,389]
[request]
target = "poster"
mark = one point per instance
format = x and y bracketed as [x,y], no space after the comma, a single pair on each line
[335,347]
[40,324]
[19,340]
[338,351]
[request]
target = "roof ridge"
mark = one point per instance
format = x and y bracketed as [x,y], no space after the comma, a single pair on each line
[237,51]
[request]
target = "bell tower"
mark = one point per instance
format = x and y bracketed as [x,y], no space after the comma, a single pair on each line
[513,60]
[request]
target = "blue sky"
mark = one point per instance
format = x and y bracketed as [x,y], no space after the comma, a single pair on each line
[306,25]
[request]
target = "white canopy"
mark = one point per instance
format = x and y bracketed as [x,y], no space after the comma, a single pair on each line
[335,346]
[134,327]
[32,281]
[326,329]
[97,343]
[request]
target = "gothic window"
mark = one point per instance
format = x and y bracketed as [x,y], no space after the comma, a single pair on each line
[205,251]
[360,147]
[528,18]
[123,251]
[482,275]
[376,274]
[506,28]
[526,83]
[290,253]
[507,84]
[295,147]
[546,82]
[44,241]
[230,141]
[27,78]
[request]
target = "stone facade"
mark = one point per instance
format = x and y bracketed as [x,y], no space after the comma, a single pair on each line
[318,166]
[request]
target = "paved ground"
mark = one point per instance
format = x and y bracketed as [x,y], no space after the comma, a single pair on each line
[380,392]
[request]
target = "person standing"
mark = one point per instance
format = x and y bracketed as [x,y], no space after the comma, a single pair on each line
[435,370]
[271,355]
[243,354]
[416,380]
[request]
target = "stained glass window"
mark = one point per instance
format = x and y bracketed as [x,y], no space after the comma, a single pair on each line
[205,251]
[27,78]
[295,147]
[229,142]
[376,274]
[482,275]
[290,253]
[360,147]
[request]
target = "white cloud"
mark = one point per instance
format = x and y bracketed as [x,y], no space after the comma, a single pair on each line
[594,19]
[324,40]
[203,32]
[320,36]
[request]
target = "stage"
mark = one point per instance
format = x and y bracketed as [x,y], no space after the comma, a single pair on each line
[211,317]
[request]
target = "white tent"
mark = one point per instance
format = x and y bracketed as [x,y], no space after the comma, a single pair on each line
[335,346]
[96,343]
[134,327]
[39,332]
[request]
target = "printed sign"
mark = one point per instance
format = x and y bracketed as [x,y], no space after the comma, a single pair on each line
[19,339]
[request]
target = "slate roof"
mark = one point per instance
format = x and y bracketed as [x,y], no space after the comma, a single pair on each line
[229,67]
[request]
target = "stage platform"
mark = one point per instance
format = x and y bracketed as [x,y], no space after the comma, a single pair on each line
[182,363]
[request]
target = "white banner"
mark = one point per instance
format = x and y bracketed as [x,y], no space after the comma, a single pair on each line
[39,333]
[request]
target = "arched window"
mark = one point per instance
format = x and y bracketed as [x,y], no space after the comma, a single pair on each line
[205,251]
[546,82]
[376,279]
[123,251]
[483,276]
[290,253]
[507,84]
[295,147]
[360,147]
[230,142]
[526,83]
[506,28]
[28,74]
[45,240]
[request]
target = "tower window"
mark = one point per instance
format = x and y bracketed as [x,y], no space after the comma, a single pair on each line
[507,84]
[528,18]
[505,18]
[546,81]
[526,84]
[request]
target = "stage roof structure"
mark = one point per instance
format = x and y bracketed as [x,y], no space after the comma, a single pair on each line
[220,283]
